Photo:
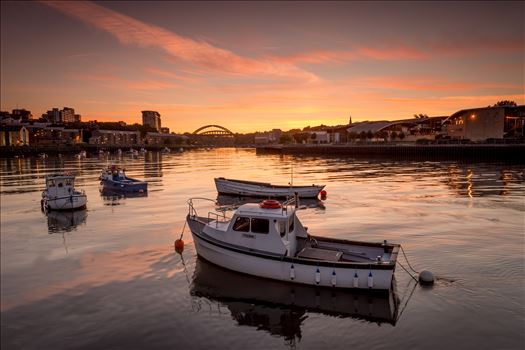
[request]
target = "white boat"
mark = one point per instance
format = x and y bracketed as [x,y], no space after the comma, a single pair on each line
[81,155]
[60,194]
[268,240]
[272,301]
[263,189]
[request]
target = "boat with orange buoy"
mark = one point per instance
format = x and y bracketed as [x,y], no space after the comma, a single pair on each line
[263,189]
[268,240]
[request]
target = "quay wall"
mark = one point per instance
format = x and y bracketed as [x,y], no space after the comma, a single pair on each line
[492,152]
[9,151]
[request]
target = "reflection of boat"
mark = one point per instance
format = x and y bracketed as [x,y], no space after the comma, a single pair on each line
[60,194]
[237,201]
[280,308]
[263,189]
[115,179]
[110,194]
[268,240]
[60,221]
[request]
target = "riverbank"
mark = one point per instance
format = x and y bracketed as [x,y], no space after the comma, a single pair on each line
[493,152]
[11,151]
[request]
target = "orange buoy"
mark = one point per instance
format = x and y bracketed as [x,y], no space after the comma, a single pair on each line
[270,204]
[179,246]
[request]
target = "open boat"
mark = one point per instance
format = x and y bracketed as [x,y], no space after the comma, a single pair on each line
[115,179]
[263,189]
[60,194]
[268,240]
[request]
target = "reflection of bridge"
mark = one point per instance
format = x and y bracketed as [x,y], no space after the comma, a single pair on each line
[213,130]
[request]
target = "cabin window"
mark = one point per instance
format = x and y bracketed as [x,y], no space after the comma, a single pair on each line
[290,224]
[68,182]
[260,225]
[51,183]
[282,228]
[241,224]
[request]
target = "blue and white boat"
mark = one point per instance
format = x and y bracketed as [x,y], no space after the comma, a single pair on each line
[115,179]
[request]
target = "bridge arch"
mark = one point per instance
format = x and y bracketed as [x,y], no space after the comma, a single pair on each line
[213,129]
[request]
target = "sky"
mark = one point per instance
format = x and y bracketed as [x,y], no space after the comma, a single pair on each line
[256,66]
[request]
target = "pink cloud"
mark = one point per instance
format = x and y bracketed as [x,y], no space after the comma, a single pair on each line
[114,81]
[361,53]
[134,32]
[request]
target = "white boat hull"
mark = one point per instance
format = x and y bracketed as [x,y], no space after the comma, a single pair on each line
[309,274]
[75,201]
[247,188]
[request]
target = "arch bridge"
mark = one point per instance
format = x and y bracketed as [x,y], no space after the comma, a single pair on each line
[213,130]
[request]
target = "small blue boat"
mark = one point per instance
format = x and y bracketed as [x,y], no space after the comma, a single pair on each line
[115,179]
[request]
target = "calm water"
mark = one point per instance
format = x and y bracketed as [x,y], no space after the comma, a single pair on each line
[108,277]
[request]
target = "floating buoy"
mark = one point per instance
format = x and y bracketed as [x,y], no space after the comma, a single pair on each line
[356,280]
[426,277]
[179,246]
[370,280]
[323,194]
[317,276]
[292,273]
[334,278]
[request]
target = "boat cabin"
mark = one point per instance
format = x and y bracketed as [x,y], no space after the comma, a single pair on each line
[57,185]
[267,227]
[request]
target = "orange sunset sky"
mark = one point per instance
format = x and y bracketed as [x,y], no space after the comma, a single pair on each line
[254,66]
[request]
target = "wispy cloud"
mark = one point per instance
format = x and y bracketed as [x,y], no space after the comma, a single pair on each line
[134,32]
[361,53]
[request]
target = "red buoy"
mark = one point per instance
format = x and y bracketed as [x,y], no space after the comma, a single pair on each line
[323,194]
[179,246]
[270,204]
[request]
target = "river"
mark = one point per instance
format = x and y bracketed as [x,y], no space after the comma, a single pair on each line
[108,276]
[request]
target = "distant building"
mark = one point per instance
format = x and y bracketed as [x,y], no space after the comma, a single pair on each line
[115,138]
[151,118]
[267,137]
[161,139]
[63,116]
[479,124]
[53,135]
[14,135]
[21,115]
[67,115]
[165,130]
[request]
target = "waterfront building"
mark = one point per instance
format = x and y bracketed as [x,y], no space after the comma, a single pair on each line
[115,138]
[479,124]
[161,139]
[14,135]
[53,135]
[151,118]
[22,115]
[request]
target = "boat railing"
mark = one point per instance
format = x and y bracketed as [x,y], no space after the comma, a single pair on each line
[217,216]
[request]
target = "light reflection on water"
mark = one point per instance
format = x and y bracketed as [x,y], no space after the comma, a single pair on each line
[108,277]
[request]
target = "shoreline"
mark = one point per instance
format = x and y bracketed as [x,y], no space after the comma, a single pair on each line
[495,152]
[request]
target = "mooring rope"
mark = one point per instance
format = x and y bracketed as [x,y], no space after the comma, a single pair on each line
[403,251]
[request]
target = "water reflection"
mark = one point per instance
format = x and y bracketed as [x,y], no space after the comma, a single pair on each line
[236,201]
[111,197]
[281,308]
[65,221]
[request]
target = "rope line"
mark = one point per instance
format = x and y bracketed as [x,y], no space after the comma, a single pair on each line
[415,279]
[403,251]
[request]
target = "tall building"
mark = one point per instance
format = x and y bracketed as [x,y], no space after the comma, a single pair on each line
[151,118]
[67,115]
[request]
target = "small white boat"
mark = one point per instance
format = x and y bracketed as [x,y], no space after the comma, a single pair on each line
[166,150]
[268,240]
[263,189]
[60,194]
